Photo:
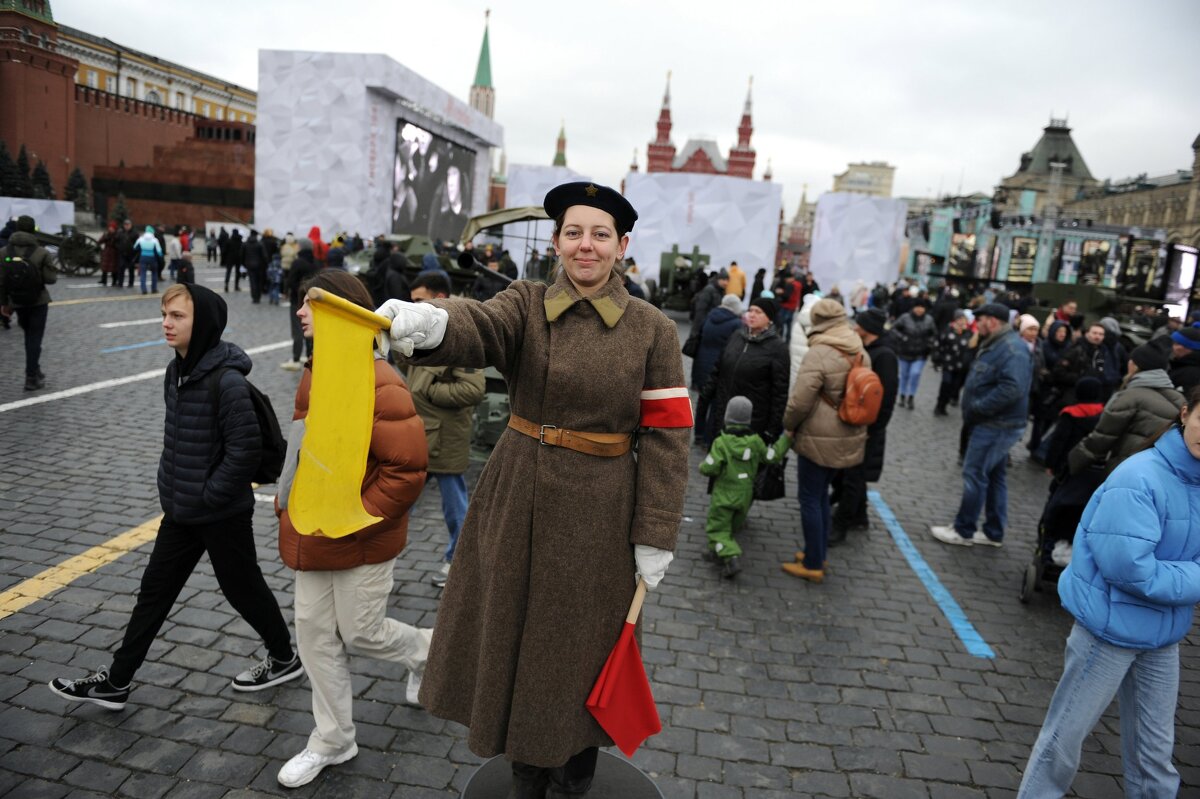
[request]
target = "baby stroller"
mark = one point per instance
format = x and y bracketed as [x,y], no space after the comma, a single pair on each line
[1068,497]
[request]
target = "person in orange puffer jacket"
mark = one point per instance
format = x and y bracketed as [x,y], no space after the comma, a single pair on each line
[343,584]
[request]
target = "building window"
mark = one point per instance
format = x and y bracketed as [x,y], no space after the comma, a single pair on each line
[180,101]
[220,113]
[153,97]
[131,87]
[110,84]
[93,80]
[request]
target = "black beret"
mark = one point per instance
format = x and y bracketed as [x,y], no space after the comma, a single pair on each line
[560,198]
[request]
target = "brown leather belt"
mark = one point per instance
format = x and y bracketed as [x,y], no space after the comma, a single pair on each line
[605,445]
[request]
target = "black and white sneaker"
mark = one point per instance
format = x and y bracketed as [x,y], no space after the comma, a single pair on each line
[268,673]
[94,688]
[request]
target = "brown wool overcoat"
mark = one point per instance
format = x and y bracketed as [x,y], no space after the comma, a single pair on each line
[544,571]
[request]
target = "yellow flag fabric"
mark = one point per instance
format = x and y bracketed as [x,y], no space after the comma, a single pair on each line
[326,496]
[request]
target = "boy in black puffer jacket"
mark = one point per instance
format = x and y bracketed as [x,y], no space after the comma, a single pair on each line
[210,453]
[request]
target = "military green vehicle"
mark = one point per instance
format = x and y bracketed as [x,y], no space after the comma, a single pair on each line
[676,278]
[1095,303]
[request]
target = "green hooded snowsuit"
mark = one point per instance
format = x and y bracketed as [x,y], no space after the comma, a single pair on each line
[734,460]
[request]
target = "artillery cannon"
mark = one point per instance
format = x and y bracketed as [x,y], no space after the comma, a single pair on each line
[677,273]
[74,252]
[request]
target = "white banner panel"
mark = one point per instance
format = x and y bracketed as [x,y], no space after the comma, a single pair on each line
[729,219]
[856,237]
[527,185]
[50,215]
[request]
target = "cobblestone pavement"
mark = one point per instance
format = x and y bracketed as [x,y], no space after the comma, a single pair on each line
[768,686]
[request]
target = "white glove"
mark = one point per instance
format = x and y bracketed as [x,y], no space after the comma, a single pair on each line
[652,563]
[415,325]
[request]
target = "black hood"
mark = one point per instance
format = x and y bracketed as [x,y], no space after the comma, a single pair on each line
[208,323]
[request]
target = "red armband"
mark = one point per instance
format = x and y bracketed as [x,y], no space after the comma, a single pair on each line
[666,407]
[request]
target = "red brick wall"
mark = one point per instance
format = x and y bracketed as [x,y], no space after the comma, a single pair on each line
[36,109]
[151,212]
[112,129]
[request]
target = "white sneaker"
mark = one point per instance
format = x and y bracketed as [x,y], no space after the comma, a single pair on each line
[412,689]
[440,576]
[984,541]
[304,767]
[948,535]
[291,366]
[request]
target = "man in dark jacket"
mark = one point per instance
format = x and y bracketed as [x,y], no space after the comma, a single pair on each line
[724,320]
[211,450]
[126,259]
[304,269]
[708,298]
[995,403]
[25,270]
[231,259]
[254,258]
[851,484]
[1185,358]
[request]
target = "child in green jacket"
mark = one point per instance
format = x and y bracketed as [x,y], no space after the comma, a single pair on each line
[733,461]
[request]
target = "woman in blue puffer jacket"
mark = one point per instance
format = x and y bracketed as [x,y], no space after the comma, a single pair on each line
[1132,585]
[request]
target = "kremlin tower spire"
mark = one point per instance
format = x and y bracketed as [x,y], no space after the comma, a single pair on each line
[483,96]
[560,150]
[741,157]
[660,153]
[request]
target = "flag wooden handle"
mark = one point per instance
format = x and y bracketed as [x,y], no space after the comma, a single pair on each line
[635,607]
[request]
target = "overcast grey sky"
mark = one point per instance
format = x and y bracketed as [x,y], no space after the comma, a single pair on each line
[943,90]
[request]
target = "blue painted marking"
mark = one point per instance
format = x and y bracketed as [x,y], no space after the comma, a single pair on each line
[954,614]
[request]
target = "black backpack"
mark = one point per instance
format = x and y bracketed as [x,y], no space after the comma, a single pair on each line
[274,446]
[22,279]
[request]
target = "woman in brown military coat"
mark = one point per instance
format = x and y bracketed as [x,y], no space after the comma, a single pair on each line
[564,513]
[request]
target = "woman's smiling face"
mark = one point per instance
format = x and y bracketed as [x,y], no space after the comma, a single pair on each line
[589,246]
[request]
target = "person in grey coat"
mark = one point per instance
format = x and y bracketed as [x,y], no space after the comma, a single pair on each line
[1147,402]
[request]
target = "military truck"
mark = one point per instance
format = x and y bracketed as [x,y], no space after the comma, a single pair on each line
[1095,303]
[677,283]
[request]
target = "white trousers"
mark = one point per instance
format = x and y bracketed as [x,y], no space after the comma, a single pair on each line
[340,613]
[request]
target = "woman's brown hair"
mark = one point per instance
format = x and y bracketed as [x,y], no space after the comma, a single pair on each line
[342,284]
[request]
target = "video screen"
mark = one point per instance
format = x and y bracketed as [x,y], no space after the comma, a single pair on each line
[431,184]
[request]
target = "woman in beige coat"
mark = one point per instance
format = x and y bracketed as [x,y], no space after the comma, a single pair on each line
[822,441]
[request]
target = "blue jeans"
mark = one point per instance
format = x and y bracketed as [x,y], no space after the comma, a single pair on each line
[783,323]
[1146,684]
[148,265]
[815,517]
[910,376]
[985,480]
[454,507]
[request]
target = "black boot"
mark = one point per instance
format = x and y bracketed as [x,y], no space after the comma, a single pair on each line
[573,778]
[940,410]
[731,567]
[34,381]
[528,782]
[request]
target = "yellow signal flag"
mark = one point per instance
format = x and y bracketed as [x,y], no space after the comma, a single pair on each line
[326,495]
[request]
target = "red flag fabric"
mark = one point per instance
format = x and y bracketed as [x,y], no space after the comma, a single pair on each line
[621,701]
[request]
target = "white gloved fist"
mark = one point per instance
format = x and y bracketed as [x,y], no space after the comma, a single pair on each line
[415,325]
[652,563]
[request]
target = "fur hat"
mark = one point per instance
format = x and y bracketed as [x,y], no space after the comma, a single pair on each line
[827,310]
[739,412]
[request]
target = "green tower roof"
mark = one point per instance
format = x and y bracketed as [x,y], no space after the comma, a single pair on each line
[483,72]
[39,10]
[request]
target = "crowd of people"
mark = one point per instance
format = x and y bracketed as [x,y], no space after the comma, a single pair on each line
[778,369]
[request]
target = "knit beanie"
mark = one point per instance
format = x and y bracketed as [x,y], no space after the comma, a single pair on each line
[767,306]
[1188,337]
[872,320]
[730,302]
[1148,357]
[1027,320]
[738,412]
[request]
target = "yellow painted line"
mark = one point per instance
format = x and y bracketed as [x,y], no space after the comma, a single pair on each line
[86,300]
[42,585]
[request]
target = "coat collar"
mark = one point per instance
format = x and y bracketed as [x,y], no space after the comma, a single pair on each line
[1181,461]
[610,301]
